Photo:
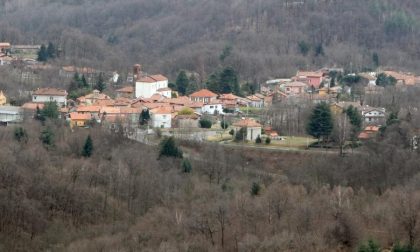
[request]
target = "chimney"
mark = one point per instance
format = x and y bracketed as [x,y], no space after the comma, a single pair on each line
[137,71]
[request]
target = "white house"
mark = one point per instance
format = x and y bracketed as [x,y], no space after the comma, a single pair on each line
[167,92]
[146,86]
[373,115]
[161,117]
[214,107]
[255,101]
[204,96]
[253,128]
[10,115]
[43,95]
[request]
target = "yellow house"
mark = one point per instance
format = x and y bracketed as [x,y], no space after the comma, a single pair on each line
[339,107]
[79,119]
[3,99]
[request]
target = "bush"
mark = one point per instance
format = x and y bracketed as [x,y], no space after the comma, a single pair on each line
[206,124]
[169,148]
[255,189]
[258,140]
[232,132]
[224,124]
[267,140]
[371,246]
[241,135]
[21,135]
[186,166]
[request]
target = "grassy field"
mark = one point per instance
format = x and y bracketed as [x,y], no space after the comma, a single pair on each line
[291,141]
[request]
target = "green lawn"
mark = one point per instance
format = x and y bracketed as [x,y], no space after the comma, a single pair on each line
[293,142]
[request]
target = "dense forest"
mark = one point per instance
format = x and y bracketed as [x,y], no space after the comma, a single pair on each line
[260,39]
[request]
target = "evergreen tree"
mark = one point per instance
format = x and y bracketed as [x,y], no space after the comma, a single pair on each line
[83,82]
[403,248]
[21,135]
[229,81]
[50,111]
[193,85]
[88,147]
[224,124]
[375,59]
[332,82]
[169,148]
[182,82]
[186,166]
[304,48]
[241,134]
[255,189]
[392,118]
[51,51]
[42,54]
[370,247]
[320,123]
[205,123]
[384,80]
[319,50]
[100,83]
[258,140]
[47,137]
[38,115]
[144,116]
[355,117]
[213,83]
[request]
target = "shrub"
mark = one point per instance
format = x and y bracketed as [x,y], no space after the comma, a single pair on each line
[258,140]
[224,124]
[88,147]
[205,123]
[371,246]
[241,135]
[255,189]
[169,148]
[21,135]
[267,140]
[232,132]
[186,166]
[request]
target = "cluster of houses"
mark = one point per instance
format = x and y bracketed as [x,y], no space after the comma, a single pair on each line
[147,93]
[152,93]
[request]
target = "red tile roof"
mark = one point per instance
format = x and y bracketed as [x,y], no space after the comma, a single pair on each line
[161,110]
[80,116]
[152,78]
[203,93]
[127,89]
[33,105]
[89,109]
[247,122]
[50,91]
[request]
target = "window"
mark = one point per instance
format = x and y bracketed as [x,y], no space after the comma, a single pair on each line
[164,116]
[211,107]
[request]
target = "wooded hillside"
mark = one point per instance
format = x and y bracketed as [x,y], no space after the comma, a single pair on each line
[260,39]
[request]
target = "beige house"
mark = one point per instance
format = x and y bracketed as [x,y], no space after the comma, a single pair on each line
[253,128]
[3,99]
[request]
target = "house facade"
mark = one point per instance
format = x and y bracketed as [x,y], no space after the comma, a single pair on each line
[43,95]
[253,128]
[313,79]
[373,116]
[213,108]
[295,88]
[10,115]
[204,95]
[161,117]
[146,86]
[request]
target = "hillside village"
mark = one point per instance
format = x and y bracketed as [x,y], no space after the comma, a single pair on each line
[144,104]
